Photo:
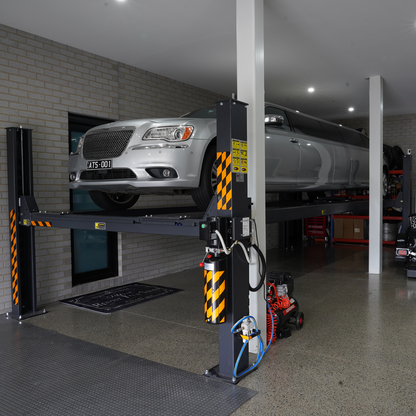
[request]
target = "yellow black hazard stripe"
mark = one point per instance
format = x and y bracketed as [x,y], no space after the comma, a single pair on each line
[224,189]
[41,224]
[15,285]
[214,296]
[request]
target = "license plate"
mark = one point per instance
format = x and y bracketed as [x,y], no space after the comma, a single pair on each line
[99,164]
[402,252]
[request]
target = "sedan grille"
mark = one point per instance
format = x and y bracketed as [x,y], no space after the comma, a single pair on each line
[104,175]
[106,144]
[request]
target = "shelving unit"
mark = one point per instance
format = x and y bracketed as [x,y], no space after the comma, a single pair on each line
[401,200]
[361,217]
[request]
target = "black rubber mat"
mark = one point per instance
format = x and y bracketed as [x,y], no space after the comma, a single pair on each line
[44,373]
[120,297]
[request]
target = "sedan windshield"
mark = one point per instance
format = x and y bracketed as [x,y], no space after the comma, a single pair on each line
[207,112]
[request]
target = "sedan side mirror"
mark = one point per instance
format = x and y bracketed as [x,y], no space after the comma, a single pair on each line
[274,120]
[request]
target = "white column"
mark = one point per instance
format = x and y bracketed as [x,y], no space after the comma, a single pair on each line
[250,89]
[376,174]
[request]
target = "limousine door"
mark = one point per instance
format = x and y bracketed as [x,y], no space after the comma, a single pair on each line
[282,159]
[316,162]
[316,168]
[358,158]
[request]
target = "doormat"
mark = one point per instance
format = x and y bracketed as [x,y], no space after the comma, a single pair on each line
[120,297]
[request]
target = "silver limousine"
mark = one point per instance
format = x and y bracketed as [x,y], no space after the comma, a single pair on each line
[117,162]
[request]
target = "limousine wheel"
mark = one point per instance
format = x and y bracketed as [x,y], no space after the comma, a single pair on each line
[208,183]
[398,156]
[385,182]
[113,202]
[387,152]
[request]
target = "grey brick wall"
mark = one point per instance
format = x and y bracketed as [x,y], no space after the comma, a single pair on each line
[41,81]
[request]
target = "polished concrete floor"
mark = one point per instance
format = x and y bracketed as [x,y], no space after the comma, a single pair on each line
[356,354]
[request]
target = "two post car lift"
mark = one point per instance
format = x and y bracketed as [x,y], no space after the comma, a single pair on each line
[228,214]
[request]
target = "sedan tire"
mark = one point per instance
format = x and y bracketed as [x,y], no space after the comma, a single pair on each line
[113,202]
[208,182]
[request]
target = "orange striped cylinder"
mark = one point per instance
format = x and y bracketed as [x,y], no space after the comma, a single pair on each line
[215,289]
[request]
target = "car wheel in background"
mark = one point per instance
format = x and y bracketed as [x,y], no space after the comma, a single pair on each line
[208,182]
[389,155]
[113,202]
[398,156]
[385,183]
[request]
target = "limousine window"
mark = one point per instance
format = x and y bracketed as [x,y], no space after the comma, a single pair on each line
[306,125]
[366,141]
[273,111]
[332,132]
[207,112]
[352,137]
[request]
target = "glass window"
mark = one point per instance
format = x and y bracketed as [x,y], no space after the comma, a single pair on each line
[352,137]
[207,112]
[366,140]
[332,132]
[273,111]
[306,125]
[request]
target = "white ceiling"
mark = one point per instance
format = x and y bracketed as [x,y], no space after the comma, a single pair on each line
[333,45]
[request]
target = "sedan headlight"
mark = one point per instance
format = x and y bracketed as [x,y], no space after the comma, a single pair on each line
[171,134]
[80,143]
[79,147]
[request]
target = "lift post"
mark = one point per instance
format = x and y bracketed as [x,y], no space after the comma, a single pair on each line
[232,222]
[22,239]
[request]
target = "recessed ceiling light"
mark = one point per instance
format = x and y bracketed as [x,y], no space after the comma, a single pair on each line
[121,1]
[311,89]
[351,109]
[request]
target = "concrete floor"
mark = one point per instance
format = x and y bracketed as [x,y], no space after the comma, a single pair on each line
[354,356]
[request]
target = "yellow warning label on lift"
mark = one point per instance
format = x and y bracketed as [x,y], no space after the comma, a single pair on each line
[236,164]
[239,156]
[100,226]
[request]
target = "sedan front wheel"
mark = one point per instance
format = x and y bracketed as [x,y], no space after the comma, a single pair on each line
[208,182]
[112,202]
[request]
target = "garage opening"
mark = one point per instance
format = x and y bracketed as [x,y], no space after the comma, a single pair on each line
[94,252]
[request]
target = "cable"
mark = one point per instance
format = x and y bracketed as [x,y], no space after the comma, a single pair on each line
[244,251]
[262,271]
[272,335]
[224,247]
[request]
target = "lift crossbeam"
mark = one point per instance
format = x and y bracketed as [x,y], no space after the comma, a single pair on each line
[182,221]
[297,210]
[129,221]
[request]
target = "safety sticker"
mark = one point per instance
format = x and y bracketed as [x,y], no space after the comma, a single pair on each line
[214,291]
[13,241]
[224,189]
[239,156]
[41,224]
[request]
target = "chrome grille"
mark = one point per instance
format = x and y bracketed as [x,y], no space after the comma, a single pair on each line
[106,144]
[103,175]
